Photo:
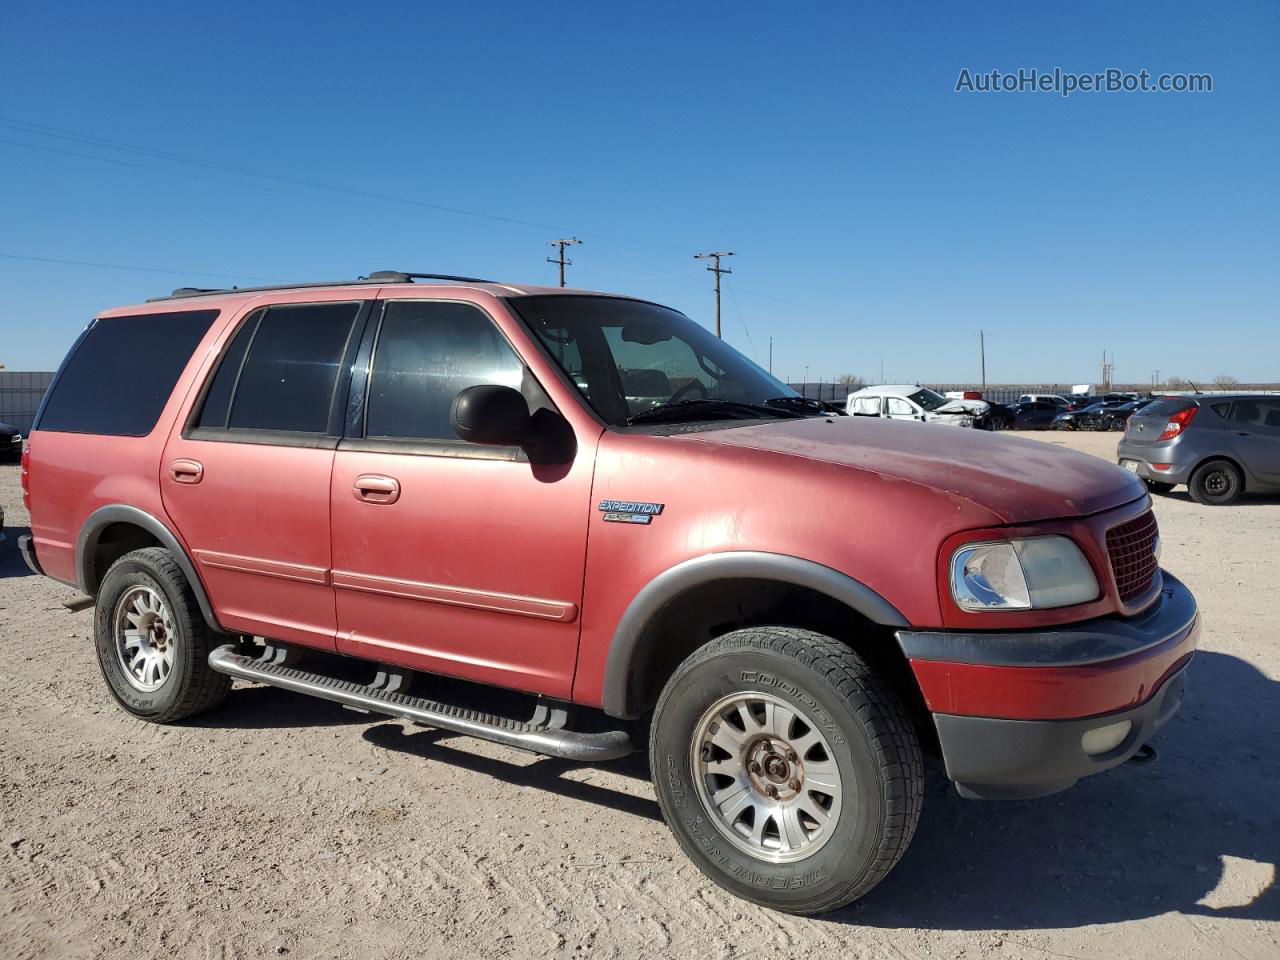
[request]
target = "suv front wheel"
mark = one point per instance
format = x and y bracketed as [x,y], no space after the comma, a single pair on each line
[152,641]
[787,769]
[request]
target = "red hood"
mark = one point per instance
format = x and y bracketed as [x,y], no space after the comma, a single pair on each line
[1017,479]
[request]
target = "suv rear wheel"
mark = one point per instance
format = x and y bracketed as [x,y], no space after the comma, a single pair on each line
[788,771]
[152,641]
[1217,483]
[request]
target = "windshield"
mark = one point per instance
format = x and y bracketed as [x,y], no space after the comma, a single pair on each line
[926,399]
[627,357]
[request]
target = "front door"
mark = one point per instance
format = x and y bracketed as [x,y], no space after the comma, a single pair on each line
[247,482]
[450,557]
[1255,435]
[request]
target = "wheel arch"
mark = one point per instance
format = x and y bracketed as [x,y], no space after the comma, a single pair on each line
[113,524]
[724,579]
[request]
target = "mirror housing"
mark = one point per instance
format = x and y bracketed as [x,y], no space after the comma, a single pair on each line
[491,414]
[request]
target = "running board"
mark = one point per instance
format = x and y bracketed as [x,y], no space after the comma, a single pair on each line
[537,738]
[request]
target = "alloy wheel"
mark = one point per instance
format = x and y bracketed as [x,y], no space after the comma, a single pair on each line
[144,637]
[766,776]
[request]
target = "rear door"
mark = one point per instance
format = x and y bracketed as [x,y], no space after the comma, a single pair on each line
[247,480]
[451,557]
[1254,434]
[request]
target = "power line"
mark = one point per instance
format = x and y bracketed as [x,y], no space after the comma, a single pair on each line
[717,270]
[562,243]
[59,133]
[119,266]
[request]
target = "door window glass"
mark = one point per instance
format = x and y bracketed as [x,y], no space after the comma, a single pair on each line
[288,378]
[866,406]
[900,408]
[1260,414]
[427,352]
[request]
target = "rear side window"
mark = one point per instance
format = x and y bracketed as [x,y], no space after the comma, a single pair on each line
[280,370]
[118,379]
[425,354]
[866,406]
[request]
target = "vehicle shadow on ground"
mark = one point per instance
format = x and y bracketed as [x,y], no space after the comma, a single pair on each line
[11,562]
[1136,842]
[1244,501]
[269,708]
[546,773]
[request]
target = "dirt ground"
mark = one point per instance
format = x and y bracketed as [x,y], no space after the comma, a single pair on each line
[281,825]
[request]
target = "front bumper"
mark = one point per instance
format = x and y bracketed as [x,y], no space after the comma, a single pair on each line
[1012,709]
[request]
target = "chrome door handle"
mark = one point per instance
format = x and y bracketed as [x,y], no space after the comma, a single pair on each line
[375,488]
[186,471]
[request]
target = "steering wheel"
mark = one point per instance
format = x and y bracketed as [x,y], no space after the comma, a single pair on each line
[694,384]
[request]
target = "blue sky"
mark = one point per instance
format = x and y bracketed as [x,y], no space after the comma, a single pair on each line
[876,213]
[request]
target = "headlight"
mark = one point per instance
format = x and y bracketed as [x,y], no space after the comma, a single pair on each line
[1036,573]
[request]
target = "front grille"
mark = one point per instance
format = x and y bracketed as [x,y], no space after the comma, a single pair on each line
[1132,549]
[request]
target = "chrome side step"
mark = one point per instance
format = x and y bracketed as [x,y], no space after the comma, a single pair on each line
[541,738]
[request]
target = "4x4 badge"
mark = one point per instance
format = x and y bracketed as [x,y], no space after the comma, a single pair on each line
[629,511]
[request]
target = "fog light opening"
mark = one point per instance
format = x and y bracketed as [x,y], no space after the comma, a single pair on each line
[1105,739]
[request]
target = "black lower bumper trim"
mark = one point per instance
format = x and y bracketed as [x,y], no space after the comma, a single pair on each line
[1021,759]
[28,550]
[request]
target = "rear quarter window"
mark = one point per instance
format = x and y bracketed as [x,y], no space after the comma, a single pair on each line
[117,379]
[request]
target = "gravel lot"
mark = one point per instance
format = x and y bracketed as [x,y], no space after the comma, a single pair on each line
[280,825]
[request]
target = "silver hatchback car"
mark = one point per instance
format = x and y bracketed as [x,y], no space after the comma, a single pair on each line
[1220,446]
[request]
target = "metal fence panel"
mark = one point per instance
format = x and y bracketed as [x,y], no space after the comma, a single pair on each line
[20,394]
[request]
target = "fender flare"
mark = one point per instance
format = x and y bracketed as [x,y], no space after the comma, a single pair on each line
[103,517]
[737,565]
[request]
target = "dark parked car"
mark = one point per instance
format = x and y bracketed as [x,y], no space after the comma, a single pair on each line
[1112,415]
[10,442]
[1035,415]
[1219,446]
[1072,419]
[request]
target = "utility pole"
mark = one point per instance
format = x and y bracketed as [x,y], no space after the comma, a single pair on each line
[562,243]
[805,386]
[717,270]
[982,351]
[771,355]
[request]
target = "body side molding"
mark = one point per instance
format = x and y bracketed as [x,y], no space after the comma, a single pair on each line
[737,565]
[103,517]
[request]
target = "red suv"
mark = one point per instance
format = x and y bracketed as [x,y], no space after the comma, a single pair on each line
[592,500]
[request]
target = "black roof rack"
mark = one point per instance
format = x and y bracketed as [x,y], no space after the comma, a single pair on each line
[377,276]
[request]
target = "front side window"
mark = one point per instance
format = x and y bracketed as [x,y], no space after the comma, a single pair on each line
[630,359]
[900,408]
[426,353]
[120,375]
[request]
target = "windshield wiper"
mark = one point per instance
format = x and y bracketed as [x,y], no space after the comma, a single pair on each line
[709,408]
[805,405]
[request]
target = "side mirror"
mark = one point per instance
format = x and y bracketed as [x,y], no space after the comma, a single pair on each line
[491,414]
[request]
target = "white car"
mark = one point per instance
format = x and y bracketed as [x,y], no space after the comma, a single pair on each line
[910,401]
[1054,398]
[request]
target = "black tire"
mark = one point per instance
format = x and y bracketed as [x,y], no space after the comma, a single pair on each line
[1158,486]
[189,686]
[868,735]
[1216,483]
